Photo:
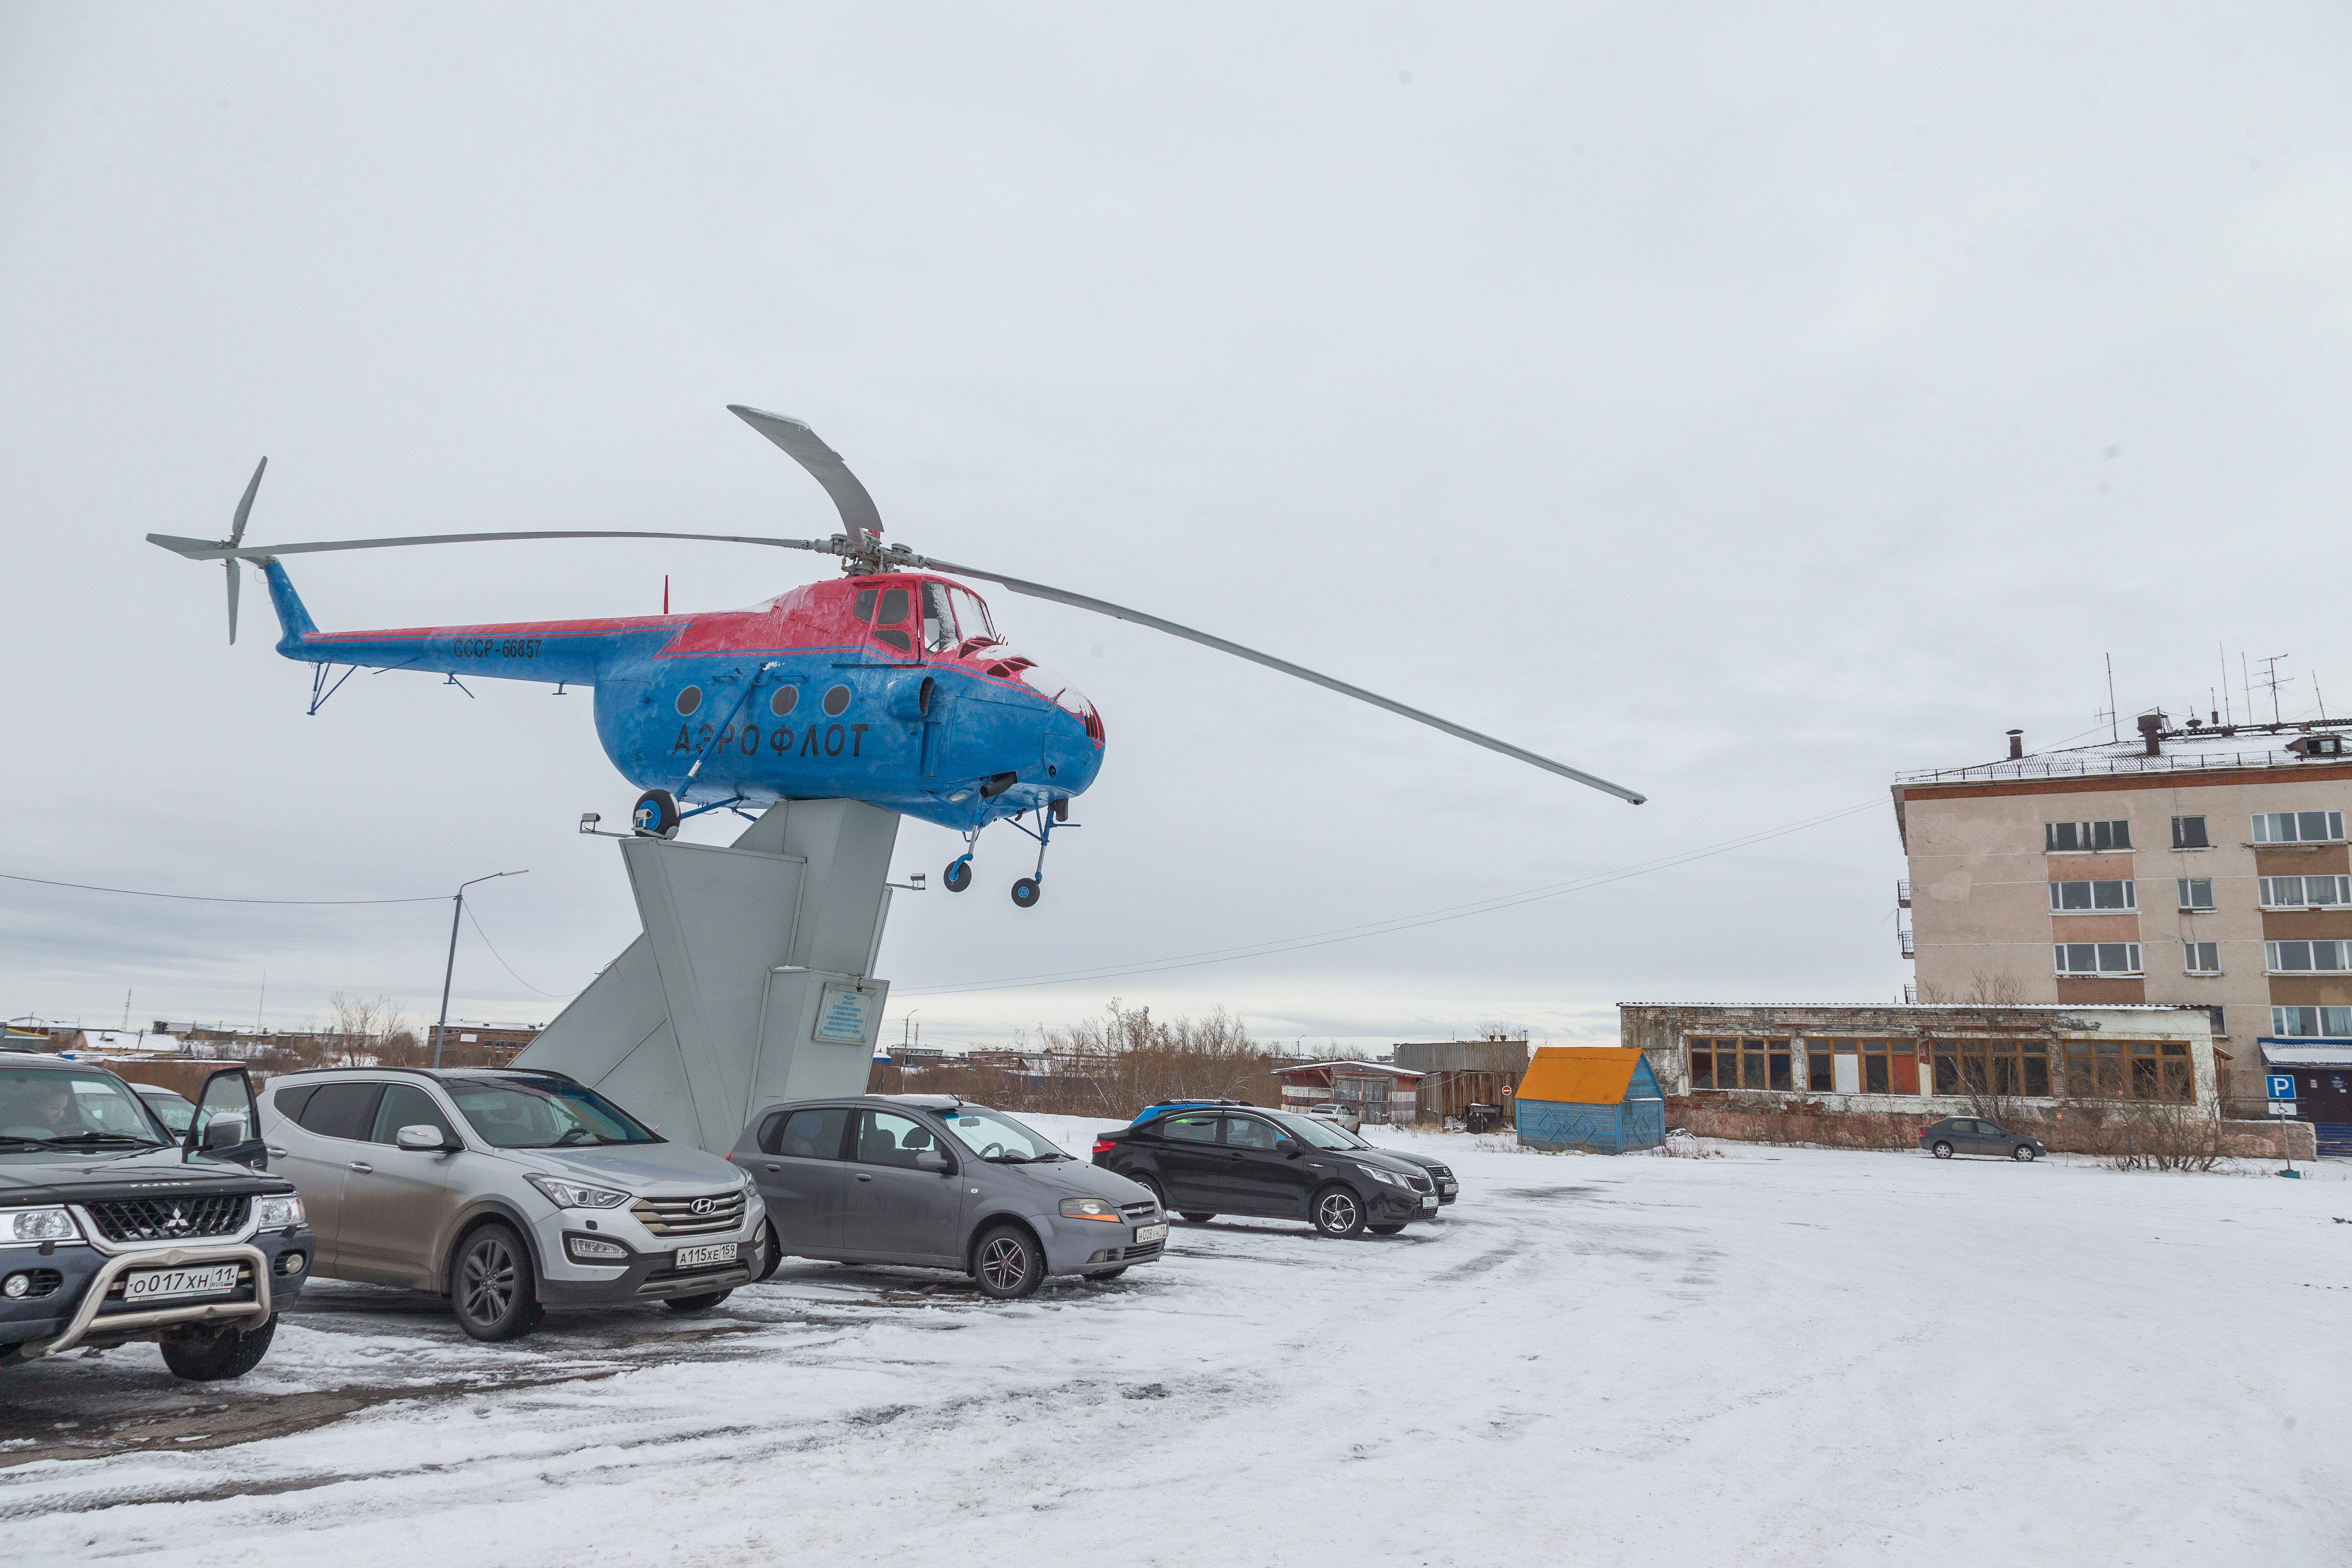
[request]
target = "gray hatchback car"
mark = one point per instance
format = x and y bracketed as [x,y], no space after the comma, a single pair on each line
[937,1182]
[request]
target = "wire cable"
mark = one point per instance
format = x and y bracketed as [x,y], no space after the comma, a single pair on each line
[1383,927]
[510,969]
[209,898]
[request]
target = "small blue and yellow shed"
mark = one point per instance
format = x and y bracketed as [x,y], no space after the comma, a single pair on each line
[1601,1099]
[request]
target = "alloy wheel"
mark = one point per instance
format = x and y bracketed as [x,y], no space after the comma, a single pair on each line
[489,1281]
[1337,1211]
[1004,1261]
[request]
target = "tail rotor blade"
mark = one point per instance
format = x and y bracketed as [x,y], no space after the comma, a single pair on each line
[231,564]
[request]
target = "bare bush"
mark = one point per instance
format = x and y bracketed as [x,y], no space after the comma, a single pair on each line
[1112,1066]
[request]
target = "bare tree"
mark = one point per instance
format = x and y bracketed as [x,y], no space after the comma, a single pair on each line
[361,1029]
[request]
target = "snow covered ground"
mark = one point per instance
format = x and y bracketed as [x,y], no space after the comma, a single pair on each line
[1775,1357]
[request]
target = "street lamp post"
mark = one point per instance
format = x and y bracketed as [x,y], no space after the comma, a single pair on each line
[441,1029]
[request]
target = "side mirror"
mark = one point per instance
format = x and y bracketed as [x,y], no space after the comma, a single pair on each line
[933,1161]
[1289,1145]
[225,1115]
[424,1140]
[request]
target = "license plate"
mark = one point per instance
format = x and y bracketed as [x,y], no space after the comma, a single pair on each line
[696,1257]
[159,1284]
[1429,1202]
[1151,1232]
[1449,1189]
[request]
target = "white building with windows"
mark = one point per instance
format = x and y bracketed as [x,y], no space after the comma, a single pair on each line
[2204,865]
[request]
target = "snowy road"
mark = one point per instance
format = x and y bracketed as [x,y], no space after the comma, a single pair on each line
[1779,1357]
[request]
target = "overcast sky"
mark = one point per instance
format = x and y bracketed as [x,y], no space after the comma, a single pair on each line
[1742,403]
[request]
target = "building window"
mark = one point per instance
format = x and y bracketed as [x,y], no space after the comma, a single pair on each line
[2306,957]
[2325,1022]
[2073,838]
[2200,957]
[2189,833]
[1741,1064]
[1890,1066]
[2298,827]
[2196,892]
[2128,1070]
[2073,898]
[2304,892]
[1820,1066]
[2221,1029]
[2098,957]
[1992,1067]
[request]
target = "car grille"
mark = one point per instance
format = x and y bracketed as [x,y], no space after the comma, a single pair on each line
[677,1216]
[168,1218]
[1441,1172]
[1420,1184]
[1141,1213]
[1143,1254]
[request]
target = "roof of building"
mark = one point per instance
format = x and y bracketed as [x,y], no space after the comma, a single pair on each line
[1581,1074]
[1933,1006]
[1393,1072]
[2204,748]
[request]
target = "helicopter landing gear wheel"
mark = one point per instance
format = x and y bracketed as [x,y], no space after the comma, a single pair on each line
[958,876]
[1027,893]
[655,815]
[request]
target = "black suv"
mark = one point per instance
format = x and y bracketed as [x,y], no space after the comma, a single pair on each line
[1217,1160]
[113,1231]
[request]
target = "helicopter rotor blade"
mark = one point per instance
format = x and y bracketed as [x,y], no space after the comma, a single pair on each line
[826,466]
[1120,613]
[237,537]
[213,549]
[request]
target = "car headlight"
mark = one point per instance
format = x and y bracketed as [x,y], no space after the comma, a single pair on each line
[576,1194]
[1388,1176]
[38,1225]
[1091,1209]
[276,1213]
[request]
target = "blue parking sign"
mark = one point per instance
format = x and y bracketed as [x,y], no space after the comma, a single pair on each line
[2281,1085]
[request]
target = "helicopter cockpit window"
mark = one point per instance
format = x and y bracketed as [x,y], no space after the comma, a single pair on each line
[862,607]
[890,617]
[938,622]
[971,615]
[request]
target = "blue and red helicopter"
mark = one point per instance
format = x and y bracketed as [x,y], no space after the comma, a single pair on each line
[889,685]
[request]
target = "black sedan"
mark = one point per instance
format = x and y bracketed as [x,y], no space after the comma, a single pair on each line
[1974,1135]
[1268,1164]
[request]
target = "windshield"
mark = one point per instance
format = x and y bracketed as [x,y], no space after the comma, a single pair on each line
[993,1135]
[1315,1132]
[84,1107]
[542,1113]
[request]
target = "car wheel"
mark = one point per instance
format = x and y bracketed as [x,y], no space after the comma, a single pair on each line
[491,1287]
[1199,1217]
[1943,1150]
[1008,1264]
[1107,1273]
[2023,1154]
[213,1354]
[772,1252]
[1384,1229]
[1338,1211]
[686,1306]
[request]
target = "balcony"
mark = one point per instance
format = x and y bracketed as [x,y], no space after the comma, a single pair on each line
[1901,896]
[1905,939]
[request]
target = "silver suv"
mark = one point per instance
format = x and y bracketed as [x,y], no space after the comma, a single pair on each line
[932,1181]
[509,1193]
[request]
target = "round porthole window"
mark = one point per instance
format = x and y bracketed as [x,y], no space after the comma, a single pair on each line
[836,700]
[786,699]
[688,700]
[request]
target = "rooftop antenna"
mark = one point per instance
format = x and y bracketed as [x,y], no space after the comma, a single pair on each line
[2271,679]
[2226,713]
[2320,695]
[2114,732]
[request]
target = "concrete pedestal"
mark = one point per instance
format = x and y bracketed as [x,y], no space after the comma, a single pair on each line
[754,980]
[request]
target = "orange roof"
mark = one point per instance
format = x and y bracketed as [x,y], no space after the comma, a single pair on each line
[1580,1074]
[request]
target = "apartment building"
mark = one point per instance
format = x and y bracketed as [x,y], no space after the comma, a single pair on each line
[2204,865]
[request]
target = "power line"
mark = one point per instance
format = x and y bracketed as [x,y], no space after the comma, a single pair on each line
[510,969]
[208,898]
[1384,927]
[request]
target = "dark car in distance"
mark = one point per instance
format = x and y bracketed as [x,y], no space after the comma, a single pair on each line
[1268,1164]
[1974,1135]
